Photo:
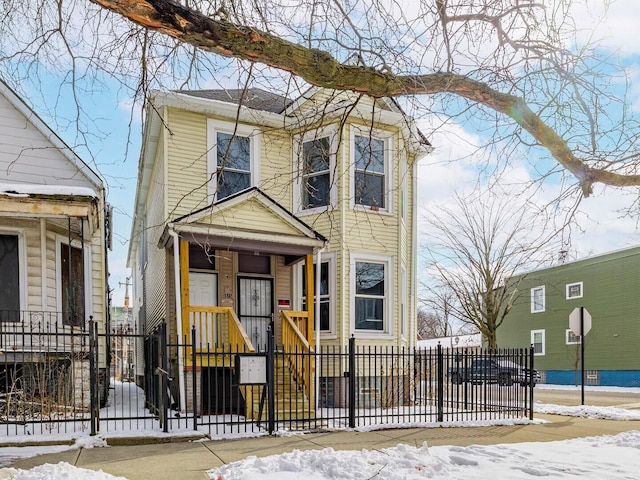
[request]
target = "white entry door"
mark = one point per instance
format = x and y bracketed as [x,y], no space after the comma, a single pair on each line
[203,292]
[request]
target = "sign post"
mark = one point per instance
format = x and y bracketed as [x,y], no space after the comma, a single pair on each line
[580,324]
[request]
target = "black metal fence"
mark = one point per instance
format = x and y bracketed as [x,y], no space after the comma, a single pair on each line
[220,391]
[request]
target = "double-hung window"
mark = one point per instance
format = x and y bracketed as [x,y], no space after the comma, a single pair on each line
[232,159]
[537,340]
[9,278]
[537,299]
[316,178]
[371,303]
[315,162]
[371,168]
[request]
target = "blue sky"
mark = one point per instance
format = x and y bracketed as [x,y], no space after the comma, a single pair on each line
[115,149]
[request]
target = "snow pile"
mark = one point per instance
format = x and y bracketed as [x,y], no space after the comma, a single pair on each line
[60,471]
[594,458]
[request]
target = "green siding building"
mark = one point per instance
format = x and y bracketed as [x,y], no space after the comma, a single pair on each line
[608,286]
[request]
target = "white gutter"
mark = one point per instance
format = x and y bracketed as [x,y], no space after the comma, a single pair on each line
[316,315]
[176,277]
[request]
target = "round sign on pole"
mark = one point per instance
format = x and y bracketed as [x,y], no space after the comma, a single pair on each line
[574,321]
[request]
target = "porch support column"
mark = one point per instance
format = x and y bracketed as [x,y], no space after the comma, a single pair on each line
[184,287]
[311,304]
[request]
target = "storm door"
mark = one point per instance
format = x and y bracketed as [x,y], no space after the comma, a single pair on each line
[255,308]
[203,292]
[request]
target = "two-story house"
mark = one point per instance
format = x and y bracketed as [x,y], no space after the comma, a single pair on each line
[607,287]
[53,261]
[243,194]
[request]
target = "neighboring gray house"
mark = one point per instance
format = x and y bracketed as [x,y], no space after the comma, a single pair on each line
[53,254]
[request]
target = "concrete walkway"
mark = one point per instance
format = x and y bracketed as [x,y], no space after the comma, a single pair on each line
[190,461]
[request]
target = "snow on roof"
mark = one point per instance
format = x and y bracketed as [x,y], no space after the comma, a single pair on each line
[25,190]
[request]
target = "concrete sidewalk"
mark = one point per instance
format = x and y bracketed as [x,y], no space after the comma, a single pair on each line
[190,461]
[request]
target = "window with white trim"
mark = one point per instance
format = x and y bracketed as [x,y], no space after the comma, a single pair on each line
[371,170]
[9,278]
[370,293]
[571,338]
[574,290]
[327,292]
[537,299]
[232,158]
[314,188]
[537,340]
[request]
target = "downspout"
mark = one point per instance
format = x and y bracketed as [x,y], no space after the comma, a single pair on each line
[317,313]
[176,280]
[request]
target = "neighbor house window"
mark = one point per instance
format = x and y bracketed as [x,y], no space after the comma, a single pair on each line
[571,338]
[537,340]
[371,303]
[574,290]
[72,284]
[9,279]
[325,294]
[232,159]
[537,299]
[371,178]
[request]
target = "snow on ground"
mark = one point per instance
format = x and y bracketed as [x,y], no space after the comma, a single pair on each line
[594,458]
[611,457]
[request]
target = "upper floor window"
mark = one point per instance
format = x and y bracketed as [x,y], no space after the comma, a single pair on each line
[537,299]
[574,290]
[371,177]
[9,278]
[314,188]
[233,164]
[316,176]
[233,167]
[369,171]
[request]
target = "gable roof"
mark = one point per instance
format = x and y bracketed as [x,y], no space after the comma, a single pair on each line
[34,119]
[232,223]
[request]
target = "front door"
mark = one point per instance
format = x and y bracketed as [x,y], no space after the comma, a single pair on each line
[255,308]
[203,292]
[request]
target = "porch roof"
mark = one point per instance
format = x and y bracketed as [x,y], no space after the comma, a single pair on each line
[247,221]
[49,201]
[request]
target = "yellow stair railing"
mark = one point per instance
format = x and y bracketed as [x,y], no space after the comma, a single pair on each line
[298,351]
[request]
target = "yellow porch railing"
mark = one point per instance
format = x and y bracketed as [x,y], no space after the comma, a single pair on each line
[298,350]
[217,329]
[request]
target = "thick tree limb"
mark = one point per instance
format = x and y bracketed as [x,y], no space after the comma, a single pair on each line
[319,68]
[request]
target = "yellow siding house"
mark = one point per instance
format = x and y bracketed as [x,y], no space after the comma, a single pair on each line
[243,193]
